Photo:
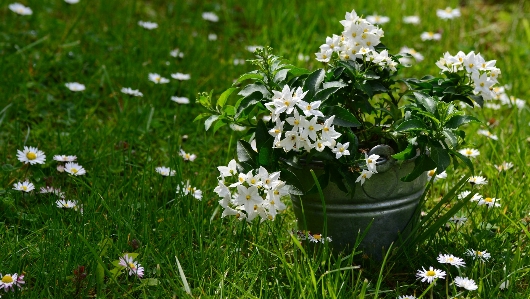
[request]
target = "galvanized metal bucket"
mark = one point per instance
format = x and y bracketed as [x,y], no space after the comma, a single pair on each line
[383,204]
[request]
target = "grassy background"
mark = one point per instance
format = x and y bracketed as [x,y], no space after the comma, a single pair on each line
[120,140]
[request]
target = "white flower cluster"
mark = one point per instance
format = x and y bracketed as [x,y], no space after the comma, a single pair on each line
[357,41]
[448,13]
[314,238]
[483,73]
[256,193]
[304,131]
[371,168]
[188,189]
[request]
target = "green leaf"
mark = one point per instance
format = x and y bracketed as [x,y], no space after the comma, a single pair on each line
[323,180]
[297,71]
[323,94]
[251,75]
[208,123]
[262,134]
[478,99]
[458,120]
[464,159]
[291,179]
[338,84]
[201,116]
[426,101]
[224,96]
[451,137]
[343,117]
[313,82]
[219,124]
[280,75]
[422,164]
[252,88]
[266,156]
[411,124]
[245,153]
[248,101]
[441,157]
[406,154]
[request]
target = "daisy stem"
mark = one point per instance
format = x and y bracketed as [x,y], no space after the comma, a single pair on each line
[427,289]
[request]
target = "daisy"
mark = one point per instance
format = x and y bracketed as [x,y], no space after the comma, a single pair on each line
[74,86]
[406,297]
[176,53]
[132,92]
[490,202]
[157,78]
[458,220]
[430,36]
[24,186]
[237,61]
[451,259]
[253,49]
[20,9]
[9,281]
[376,19]
[148,25]
[132,265]
[466,283]
[430,275]
[188,189]
[477,254]
[469,152]
[504,166]
[180,76]
[68,204]
[180,100]
[31,155]
[487,134]
[71,1]
[187,157]
[411,20]
[477,180]
[432,173]
[165,171]
[448,13]
[210,16]
[212,36]
[55,191]
[64,158]
[74,169]
[476,196]
[60,168]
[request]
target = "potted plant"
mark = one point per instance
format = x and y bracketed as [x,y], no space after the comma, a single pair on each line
[368,135]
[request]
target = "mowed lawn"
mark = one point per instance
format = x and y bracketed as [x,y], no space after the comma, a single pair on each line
[68,243]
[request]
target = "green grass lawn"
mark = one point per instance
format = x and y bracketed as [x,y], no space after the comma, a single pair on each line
[127,207]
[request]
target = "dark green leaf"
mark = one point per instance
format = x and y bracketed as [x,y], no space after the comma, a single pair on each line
[251,75]
[249,100]
[313,82]
[478,99]
[464,159]
[266,155]
[323,94]
[451,137]
[426,101]
[224,96]
[245,153]
[422,164]
[458,120]
[338,84]
[252,88]
[323,180]
[343,117]
[291,179]
[411,124]
[441,157]
[262,134]
[201,116]
[406,154]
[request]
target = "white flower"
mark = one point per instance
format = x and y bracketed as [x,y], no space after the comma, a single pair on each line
[328,132]
[458,220]
[406,297]
[430,275]
[74,86]
[309,129]
[310,108]
[451,259]
[365,174]
[20,9]
[475,197]
[9,281]
[490,202]
[133,92]
[469,152]
[448,13]
[176,53]
[24,186]
[504,166]
[133,266]
[180,100]
[248,197]
[487,134]
[303,57]
[187,156]
[411,20]
[49,189]
[376,19]
[71,1]
[477,254]
[210,16]
[165,171]
[466,283]
[371,162]
[432,173]
[64,158]
[69,204]
[212,36]
[157,78]
[188,189]
[31,155]
[180,76]
[430,36]
[253,49]
[277,131]
[416,55]
[237,61]
[324,55]
[284,100]
[341,150]
[148,25]
[477,180]
[74,169]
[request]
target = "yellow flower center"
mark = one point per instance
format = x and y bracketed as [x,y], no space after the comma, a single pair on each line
[248,197]
[157,79]
[488,199]
[311,128]
[354,34]
[255,207]
[481,84]
[253,181]
[326,129]
[276,192]
[471,65]
[31,156]
[74,170]
[308,107]
[364,175]
[368,44]
[272,202]
[270,217]
[25,188]
[324,56]
[132,266]
[469,152]
[7,279]
[479,253]
[277,131]
[341,149]
[364,36]
[296,122]
[317,236]
[431,273]
[431,172]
